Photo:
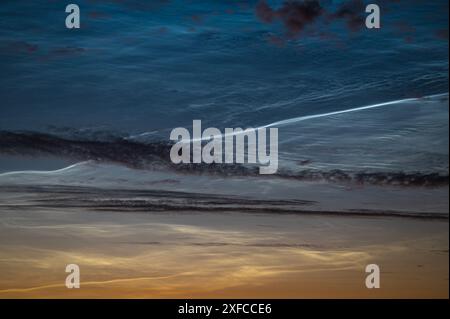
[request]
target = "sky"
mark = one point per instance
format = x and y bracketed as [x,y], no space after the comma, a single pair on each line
[137,66]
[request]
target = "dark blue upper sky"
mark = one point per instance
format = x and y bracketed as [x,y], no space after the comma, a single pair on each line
[139,66]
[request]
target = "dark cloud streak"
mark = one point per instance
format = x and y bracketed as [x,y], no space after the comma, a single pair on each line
[297,15]
[352,12]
